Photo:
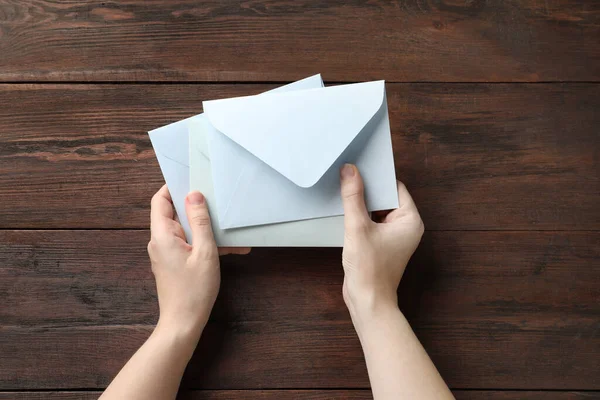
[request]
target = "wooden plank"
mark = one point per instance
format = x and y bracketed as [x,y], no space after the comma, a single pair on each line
[503,353]
[270,40]
[66,278]
[529,395]
[309,394]
[211,395]
[494,309]
[491,157]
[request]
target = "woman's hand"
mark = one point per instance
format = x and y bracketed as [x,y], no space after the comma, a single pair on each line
[375,255]
[187,281]
[187,276]
[375,251]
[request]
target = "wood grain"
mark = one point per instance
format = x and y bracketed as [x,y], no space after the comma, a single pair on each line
[475,157]
[68,278]
[503,353]
[309,394]
[529,395]
[503,291]
[494,310]
[275,40]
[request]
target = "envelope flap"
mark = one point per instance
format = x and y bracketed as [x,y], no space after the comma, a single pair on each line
[299,134]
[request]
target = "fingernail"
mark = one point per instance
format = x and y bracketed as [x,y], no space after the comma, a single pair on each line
[196,198]
[347,171]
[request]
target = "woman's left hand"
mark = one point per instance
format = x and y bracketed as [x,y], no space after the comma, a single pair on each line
[187,276]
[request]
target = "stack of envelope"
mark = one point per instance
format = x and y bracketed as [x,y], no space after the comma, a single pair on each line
[268,165]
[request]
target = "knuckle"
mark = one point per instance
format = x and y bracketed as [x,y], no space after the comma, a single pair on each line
[154,199]
[417,223]
[206,252]
[201,219]
[156,238]
[352,194]
[415,219]
[161,239]
[153,247]
[152,252]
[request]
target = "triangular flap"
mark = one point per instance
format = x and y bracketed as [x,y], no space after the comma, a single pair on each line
[300,134]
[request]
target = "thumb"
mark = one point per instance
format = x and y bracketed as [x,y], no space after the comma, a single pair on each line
[353,197]
[199,219]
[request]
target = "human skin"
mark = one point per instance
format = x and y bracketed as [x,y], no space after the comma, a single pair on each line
[187,282]
[374,257]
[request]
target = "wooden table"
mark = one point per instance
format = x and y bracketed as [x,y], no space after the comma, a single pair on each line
[495,112]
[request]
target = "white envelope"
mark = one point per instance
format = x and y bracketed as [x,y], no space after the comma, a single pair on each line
[276,157]
[171,145]
[321,232]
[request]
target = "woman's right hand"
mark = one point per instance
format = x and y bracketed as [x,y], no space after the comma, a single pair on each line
[375,252]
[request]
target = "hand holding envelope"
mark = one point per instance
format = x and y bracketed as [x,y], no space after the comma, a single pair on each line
[269,164]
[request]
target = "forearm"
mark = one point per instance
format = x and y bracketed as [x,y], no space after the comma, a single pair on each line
[397,363]
[155,370]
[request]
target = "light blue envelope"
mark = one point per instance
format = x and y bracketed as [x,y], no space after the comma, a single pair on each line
[276,157]
[320,232]
[171,145]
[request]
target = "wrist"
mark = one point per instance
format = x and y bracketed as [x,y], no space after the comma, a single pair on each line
[369,306]
[184,337]
[366,321]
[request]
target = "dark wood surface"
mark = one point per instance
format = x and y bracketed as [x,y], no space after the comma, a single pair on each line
[102,278]
[474,156]
[494,111]
[310,395]
[278,40]
[490,301]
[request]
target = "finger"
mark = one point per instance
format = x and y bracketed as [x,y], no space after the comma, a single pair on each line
[161,209]
[199,219]
[405,200]
[178,229]
[234,250]
[407,205]
[353,197]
